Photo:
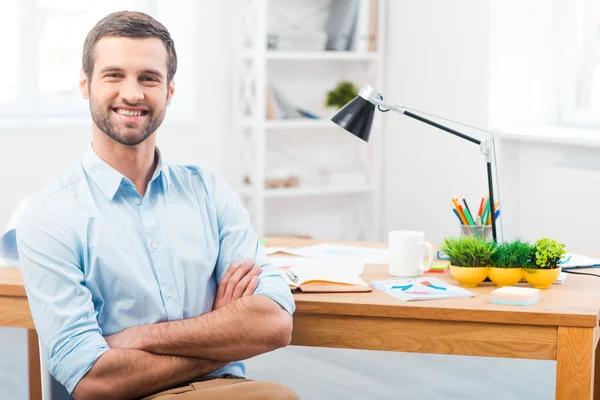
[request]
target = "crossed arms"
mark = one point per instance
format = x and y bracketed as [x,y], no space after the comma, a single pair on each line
[150,358]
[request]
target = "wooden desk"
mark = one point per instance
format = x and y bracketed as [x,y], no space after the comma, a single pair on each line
[562,326]
[14,312]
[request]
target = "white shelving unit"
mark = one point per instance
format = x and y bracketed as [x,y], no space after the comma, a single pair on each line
[310,75]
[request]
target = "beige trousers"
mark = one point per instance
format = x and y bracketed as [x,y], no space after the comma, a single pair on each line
[227,388]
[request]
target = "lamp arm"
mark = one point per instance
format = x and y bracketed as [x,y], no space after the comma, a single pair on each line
[485,148]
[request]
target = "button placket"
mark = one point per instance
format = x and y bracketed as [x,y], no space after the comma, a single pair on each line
[161,263]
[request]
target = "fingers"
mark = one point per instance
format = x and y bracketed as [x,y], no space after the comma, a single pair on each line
[251,286]
[235,278]
[241,287]
[223,283]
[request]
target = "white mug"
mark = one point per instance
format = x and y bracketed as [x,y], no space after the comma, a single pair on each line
[406,253]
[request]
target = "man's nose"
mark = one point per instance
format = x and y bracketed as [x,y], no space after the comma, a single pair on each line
[131,91]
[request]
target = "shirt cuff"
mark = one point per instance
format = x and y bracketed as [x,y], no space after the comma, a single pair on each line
[68,366]
[277,289]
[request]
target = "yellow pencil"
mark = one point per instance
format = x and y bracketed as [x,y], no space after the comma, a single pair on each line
[460,212]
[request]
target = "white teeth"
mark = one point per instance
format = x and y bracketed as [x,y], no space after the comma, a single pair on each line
[129,113]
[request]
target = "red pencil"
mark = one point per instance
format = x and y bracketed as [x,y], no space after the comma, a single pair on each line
[481,207]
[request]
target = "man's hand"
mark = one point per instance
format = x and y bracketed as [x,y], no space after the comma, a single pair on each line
[240,280]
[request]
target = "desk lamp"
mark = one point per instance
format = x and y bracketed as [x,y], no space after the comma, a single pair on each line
[357,118]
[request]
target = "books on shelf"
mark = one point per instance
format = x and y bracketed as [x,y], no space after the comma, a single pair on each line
[296,25]
[279,107]
[373,25]
[341,25]
[423,288]
[352,25]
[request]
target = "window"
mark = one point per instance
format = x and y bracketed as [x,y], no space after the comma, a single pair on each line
[43,57]
[581,95]
[9,69]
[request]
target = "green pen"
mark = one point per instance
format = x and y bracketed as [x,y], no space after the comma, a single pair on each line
[468,216]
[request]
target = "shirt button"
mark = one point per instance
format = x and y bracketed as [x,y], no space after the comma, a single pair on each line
[154,245]
[170,294]
[137,202]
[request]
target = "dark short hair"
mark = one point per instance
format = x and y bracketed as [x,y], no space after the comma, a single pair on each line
[131,24]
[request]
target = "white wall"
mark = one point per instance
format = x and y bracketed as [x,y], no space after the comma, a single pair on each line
[438,62]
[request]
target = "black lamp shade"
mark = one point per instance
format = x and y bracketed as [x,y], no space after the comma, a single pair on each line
[356,117]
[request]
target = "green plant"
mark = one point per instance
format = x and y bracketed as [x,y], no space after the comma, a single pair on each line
[515,254]
[547,254]
[341,94]
[469,251]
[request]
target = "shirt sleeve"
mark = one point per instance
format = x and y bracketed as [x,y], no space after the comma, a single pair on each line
[238,241]
[61,305]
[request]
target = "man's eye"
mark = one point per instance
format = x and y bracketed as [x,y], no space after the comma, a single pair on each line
[114,75]
[149,79]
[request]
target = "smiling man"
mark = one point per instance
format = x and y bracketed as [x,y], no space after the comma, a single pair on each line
[145,278]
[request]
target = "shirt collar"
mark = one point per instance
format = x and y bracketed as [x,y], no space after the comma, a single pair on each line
[162,169]
[109,179]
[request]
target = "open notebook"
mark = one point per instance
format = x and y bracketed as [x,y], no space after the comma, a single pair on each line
[323,279]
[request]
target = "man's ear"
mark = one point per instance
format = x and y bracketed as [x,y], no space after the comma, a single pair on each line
[170,91]
[84,85]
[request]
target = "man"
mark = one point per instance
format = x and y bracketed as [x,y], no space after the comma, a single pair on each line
[144,276]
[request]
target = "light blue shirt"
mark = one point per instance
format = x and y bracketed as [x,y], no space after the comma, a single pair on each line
[98,258]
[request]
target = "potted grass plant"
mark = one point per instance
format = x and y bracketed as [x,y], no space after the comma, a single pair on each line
[470,258]
[508,261]
[544,266]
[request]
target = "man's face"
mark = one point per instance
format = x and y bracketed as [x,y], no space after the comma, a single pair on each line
[128,91]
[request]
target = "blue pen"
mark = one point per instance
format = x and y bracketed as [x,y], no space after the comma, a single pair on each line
[566,259]
[496,215]
[457,216]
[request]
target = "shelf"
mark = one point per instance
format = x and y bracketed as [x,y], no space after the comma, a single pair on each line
[317,55]
[301,191]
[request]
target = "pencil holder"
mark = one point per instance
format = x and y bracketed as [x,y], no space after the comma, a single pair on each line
[478,231]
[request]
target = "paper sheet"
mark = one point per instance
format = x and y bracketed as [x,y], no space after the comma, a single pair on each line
[423,288]
[577,260]
[342,264]
[328,250]
[272,250]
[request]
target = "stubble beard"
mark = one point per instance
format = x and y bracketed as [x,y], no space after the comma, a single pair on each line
[101,118]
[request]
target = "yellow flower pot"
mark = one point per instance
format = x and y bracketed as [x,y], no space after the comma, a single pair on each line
[541,278]
[505,276]
[468,276]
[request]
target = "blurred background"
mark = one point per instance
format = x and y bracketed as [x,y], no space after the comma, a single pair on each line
[256,84]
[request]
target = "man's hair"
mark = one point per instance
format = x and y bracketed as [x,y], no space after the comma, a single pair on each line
[131,24]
